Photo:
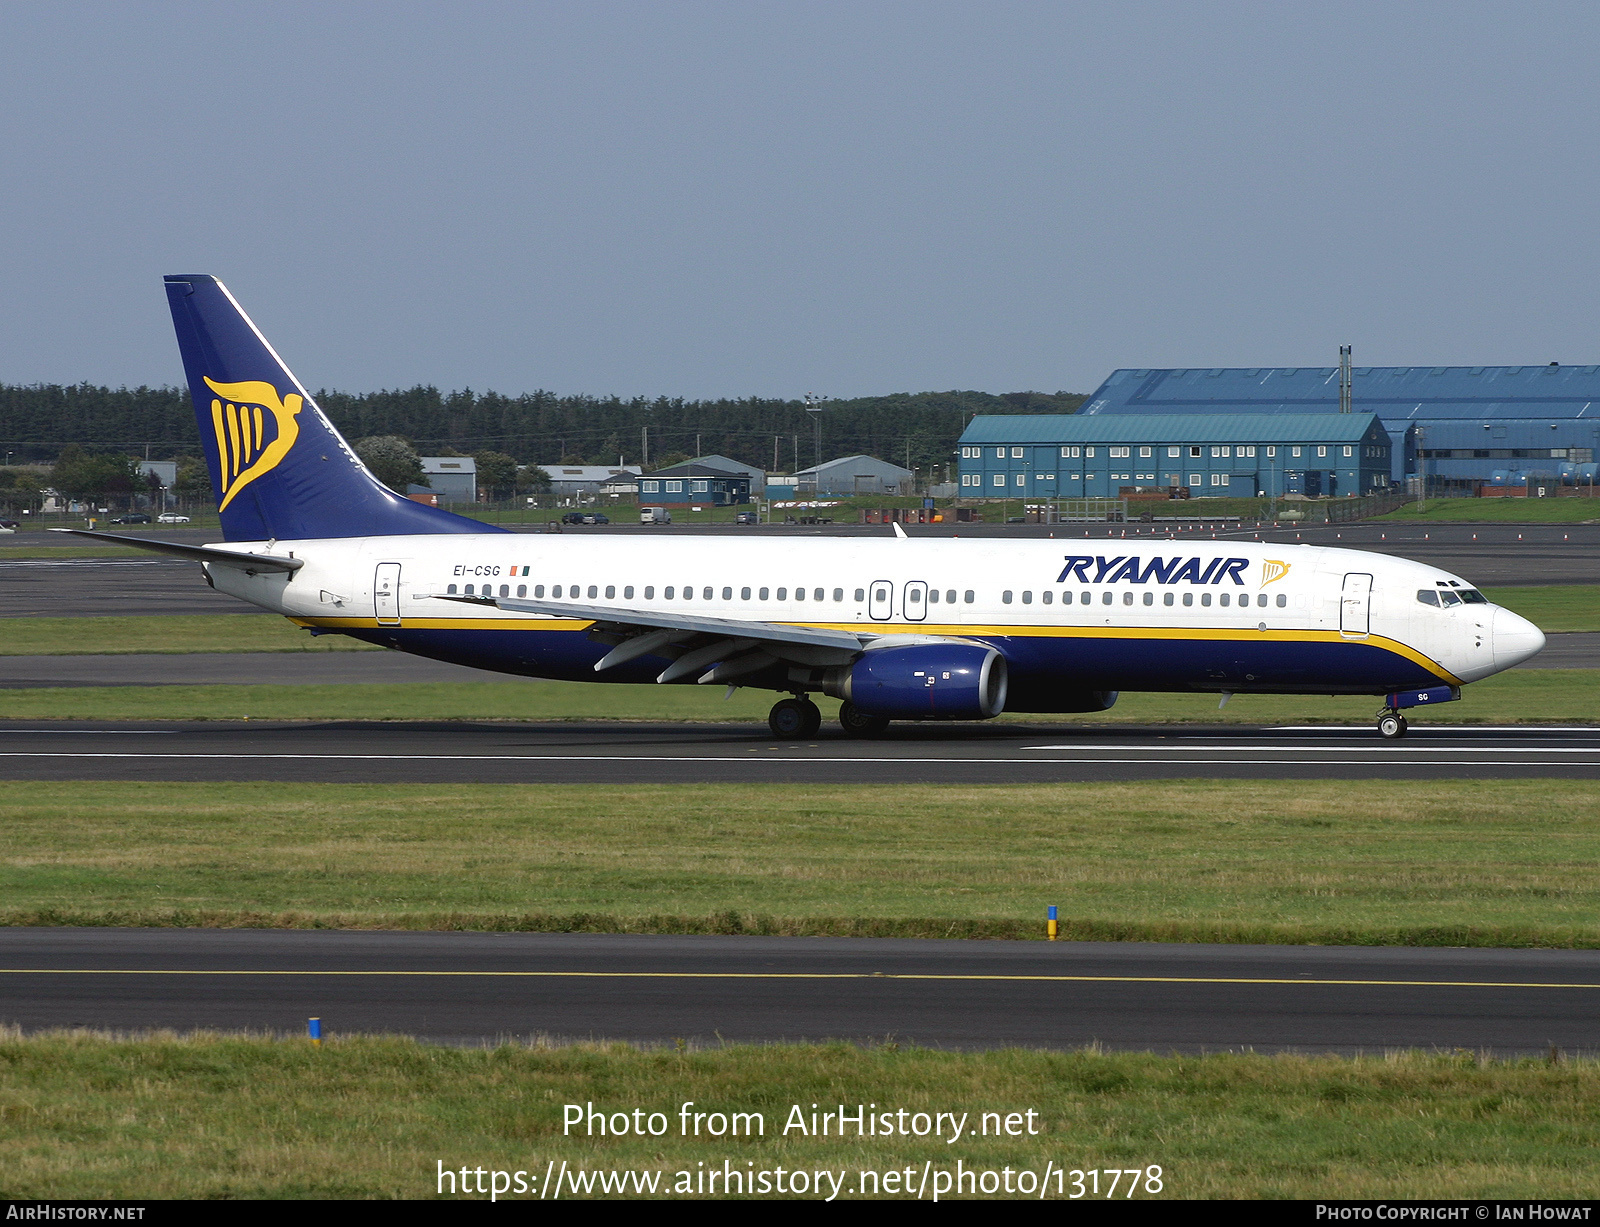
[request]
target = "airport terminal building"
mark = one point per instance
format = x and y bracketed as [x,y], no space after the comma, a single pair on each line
[1237,455]
[1457,423]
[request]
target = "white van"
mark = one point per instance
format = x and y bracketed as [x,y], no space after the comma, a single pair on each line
[654,515]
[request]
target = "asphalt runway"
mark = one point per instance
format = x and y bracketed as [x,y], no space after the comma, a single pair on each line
[1490,555]
[473,988]
[600,753]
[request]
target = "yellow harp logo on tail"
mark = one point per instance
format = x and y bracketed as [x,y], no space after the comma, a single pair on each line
[1272,569]
[255,431]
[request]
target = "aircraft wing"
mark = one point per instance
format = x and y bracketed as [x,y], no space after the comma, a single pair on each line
[240,560]
[720,649]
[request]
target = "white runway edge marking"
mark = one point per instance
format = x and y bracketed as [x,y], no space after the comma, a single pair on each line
[815,761]
[1305,749]
[1438,728]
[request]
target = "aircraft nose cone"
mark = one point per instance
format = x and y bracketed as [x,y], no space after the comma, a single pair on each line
[1514,639]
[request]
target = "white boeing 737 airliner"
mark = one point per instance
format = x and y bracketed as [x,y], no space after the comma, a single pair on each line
[897,628]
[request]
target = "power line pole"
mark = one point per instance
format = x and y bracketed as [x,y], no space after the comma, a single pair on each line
[1344,379]
[644,434]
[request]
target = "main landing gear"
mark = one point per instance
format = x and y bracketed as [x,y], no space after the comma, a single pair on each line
[856,723]
[1391,724]
[794,719]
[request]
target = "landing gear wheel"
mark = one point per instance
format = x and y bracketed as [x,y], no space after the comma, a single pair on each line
[1391,725]
[857,723]
[794,719]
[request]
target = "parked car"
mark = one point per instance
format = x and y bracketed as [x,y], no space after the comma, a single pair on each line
[169,518]
[9,526]
[654,515]
[585,517]
[748,517]
[596,518]
[136,518]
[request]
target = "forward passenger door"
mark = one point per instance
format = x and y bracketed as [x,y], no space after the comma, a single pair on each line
[1355,606]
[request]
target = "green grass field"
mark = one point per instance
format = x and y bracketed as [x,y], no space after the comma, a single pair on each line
[89,1117]
[1500,511]
[1565,696]
[165,634]
[1376,862]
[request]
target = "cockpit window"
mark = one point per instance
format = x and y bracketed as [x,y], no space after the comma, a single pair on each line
[1472,596]
[1447,598]
[1428,596]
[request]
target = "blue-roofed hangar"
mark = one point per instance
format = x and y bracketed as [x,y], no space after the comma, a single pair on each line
[1233,454]
[1458,423]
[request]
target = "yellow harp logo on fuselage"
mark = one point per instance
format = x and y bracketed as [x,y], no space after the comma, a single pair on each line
[1272,569]
[248,443]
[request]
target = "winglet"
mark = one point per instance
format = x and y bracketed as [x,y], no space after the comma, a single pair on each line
[898,531]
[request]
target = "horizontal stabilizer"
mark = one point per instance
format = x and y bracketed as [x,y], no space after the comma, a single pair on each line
[251,564]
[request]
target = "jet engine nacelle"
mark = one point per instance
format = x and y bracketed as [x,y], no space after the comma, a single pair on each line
[924,681]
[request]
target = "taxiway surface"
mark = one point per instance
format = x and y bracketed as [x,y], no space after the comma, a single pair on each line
[485,987]
[643,753]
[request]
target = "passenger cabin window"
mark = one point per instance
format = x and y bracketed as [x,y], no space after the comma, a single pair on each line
[1166,598]
[799,594]
[764,593]
[1046,596]
[1149,598]
[817,594]
[666,593]
[1005,597]
[1087,597]
[1205,598]
[1223,600]
[594,591]
[744,594]
[727,594]
[611,592]
[1127,598]
[783,594]
[970,596]
[522,590]
[707,594]
[538,590]
[1282,600]
[649,592]
[1105,598]
[861,594]
[1188,598]
[949,596]
[1027,598]
[838,594]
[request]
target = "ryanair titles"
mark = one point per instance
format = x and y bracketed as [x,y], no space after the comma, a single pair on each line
[1101,570]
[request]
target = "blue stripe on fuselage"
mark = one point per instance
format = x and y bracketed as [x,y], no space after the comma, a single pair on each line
[1074,662]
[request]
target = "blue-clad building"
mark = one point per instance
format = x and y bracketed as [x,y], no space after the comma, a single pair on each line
[1466,423]
[1234,455]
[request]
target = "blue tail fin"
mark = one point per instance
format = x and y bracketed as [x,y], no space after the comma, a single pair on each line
[279,468]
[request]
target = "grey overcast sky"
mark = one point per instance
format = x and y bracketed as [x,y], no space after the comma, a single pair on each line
[733,199]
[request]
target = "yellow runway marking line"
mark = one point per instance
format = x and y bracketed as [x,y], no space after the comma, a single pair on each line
[797,975]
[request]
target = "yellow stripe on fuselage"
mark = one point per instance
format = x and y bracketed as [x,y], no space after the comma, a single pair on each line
[1165,634]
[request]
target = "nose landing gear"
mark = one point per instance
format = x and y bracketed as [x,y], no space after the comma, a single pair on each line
[1391,724]
[794,719]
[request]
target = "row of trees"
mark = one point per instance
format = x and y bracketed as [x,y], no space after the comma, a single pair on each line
[918,430]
